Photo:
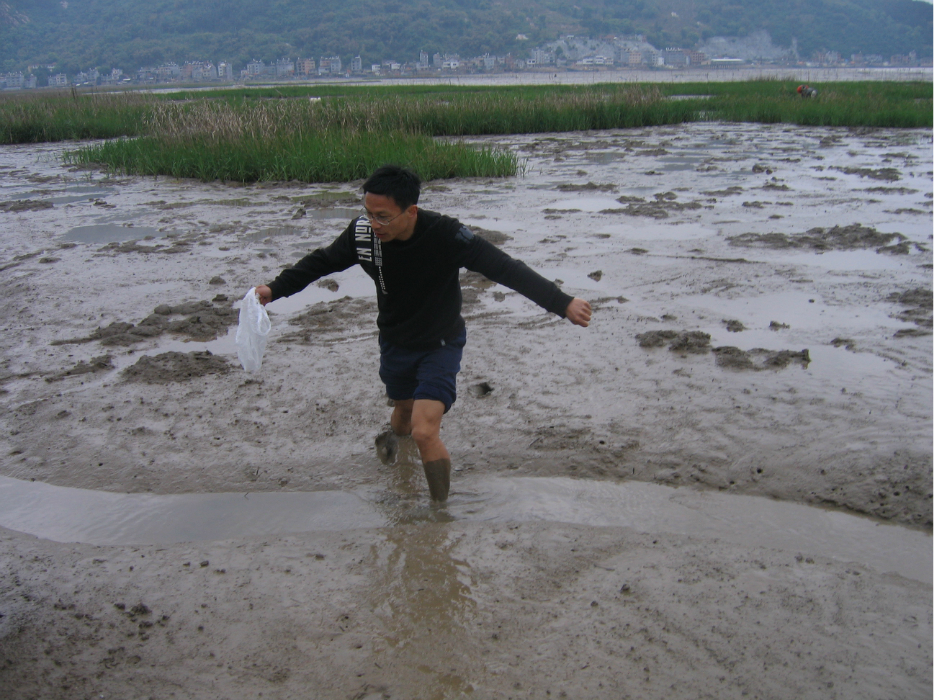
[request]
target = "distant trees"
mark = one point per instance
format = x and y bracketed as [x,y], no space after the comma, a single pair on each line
[130,33]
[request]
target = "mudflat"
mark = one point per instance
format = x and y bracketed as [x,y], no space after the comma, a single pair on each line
[762,328]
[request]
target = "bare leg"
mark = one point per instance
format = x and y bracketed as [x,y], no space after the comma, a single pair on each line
[401,418]
[425,427]
[426,430]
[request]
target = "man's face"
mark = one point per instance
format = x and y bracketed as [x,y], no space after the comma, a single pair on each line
[400,225]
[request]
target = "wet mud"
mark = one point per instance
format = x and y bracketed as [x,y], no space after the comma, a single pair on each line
[175,367]
[118,373]
[201,320]
[852,237]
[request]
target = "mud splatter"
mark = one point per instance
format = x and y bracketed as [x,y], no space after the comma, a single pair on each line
[25,205]
[97,364]
[919,302]
[729,191]
[661,208]
[175,367]
[202,321]
[887,174]
[494,237]
[759,359]
[694,342]
[852,237]
[589,187]
[326,321]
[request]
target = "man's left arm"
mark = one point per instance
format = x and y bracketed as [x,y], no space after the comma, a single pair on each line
[483,257]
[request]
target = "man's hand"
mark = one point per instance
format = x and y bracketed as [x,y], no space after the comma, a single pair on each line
[265,294]
[578,312]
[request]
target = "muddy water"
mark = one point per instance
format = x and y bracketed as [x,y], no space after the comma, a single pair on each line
[99,517]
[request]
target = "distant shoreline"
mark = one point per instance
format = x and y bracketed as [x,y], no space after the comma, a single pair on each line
[703,74]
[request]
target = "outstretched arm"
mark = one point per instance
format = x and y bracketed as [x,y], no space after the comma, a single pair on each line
[578,312]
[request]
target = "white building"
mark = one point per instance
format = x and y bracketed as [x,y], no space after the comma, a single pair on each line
[285,68]
[542,57]
[330,64]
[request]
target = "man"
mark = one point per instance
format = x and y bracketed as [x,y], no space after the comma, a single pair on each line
[414,256]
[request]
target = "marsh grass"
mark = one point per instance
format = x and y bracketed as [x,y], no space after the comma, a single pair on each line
[324,157]
[65,116]
[322,133]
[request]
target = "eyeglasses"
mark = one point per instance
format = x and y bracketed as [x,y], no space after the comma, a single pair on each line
[381,220]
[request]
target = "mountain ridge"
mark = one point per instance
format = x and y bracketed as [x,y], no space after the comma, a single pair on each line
[77,34]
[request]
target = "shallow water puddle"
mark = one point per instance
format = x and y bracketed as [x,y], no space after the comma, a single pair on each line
[334,213]
[799,310]
[110,233]
[104,518]
[836,261]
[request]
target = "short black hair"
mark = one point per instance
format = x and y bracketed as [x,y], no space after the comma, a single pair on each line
[402,185]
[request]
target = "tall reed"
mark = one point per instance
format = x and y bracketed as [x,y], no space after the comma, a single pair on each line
[62,116]
[329,131]
[315,157]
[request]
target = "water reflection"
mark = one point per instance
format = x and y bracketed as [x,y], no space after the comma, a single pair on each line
[421,595]
[99,517]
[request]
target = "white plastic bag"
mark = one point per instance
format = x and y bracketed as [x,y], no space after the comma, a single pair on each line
[252,331]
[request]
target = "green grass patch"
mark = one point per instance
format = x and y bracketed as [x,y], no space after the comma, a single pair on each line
[340,132]
[327,157]
[64,116]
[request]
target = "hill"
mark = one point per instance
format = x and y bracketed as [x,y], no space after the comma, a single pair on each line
[78,34]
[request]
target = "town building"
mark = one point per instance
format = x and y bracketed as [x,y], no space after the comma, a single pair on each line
[330,65]
[305,67]
[285,68]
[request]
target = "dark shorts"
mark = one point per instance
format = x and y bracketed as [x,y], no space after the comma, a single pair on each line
[422,374]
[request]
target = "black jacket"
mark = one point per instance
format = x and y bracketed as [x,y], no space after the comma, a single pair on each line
[417,281]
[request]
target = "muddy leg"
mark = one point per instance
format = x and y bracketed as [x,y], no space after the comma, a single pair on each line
[438,475]
[387,446]
[387,442]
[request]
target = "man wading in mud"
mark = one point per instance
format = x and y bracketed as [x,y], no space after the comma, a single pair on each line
[414,256]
